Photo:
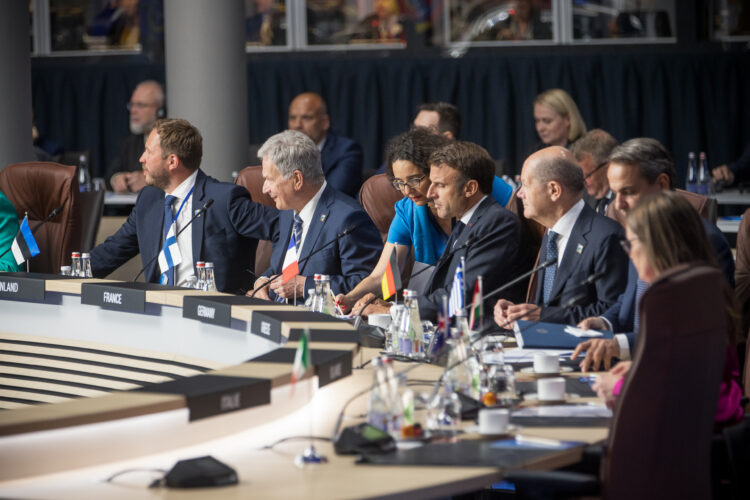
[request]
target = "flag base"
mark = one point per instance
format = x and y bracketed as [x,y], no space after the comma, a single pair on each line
[310,456]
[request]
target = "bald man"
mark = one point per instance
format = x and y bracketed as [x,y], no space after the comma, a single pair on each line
[341,156]
[145,107]
[581,242]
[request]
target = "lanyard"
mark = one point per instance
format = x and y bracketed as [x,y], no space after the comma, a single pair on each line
[182,205]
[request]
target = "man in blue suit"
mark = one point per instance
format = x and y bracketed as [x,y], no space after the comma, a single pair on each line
[637,168]
[341,157]
[580,241]
[312,215]
[226,234]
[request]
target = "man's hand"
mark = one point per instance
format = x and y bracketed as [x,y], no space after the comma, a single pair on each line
[286,290]
[119,182]
[378,306]
[593,323]
[598,351]
[261,294]
[136,180]
[722,173]
[506,313]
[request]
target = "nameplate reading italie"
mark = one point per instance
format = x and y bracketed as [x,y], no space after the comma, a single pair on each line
[16,286]
[206,310]
[118,296]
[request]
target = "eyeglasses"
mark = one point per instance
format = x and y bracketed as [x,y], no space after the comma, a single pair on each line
[627,245]
[601,165]
[139,105]
[412,183]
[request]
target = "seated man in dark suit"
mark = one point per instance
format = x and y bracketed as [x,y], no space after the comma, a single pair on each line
[341,157]
[461,175]
[313,213]
[226,234]
[638,167]
[582,242]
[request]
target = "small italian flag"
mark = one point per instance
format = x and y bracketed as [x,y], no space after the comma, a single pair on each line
[301,358]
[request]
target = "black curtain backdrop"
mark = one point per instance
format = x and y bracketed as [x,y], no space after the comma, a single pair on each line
[690,101]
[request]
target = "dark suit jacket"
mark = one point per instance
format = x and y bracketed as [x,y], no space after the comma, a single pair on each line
[342,163]
[225,235]
[593,247]
[131,149]
[348,260]
[495,254]
[622,312]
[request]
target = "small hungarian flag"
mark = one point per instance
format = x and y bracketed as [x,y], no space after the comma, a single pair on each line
[290,268]
[477,305]
[301,358]
[391,281]
[24,246]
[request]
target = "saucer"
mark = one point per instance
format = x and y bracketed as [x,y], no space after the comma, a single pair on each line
[529,370]
[508,432]
[534,397]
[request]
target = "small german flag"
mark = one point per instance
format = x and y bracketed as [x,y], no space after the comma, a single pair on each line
[391,282]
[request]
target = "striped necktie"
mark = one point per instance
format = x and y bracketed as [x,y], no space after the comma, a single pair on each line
[551,271]
[640,287]
[297,231]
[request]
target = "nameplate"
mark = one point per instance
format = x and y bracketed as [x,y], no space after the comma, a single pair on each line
[209,395]
[19,286]
[330,364]
[117,296]
[269,323]
[208,311]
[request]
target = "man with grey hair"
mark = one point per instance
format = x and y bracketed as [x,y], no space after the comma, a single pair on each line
[145,107]
[592,151]
[313,216]
[581,242]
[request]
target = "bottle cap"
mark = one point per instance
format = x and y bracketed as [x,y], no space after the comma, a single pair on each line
[209,265]
[317,277]
[703,155]
[410,294]
[85,255]
[64,268]
[76,255]
[691,155]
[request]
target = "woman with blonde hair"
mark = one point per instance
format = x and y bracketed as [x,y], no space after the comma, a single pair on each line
[557,119]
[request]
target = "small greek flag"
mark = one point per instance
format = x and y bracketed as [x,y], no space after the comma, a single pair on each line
[170,256]
[24,247]
[456,301]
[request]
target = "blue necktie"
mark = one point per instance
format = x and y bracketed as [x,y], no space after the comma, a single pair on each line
[297,231]
[640,287]
[168,216]
[551,271]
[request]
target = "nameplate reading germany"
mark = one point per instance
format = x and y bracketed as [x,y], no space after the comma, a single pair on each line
[206,310]
[111,296]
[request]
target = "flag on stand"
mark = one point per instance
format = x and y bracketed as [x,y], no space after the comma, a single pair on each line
[391,281]
[301,358]
[290,268]
[477,305]
[456,301]
[170,256]
[24,247]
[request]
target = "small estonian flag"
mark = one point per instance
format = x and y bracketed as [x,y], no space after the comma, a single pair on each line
[24,246]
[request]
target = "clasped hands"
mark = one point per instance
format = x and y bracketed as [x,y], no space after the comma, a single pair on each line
[283,290]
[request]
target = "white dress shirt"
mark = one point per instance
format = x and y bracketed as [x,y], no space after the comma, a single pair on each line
[185,269]
[564,226]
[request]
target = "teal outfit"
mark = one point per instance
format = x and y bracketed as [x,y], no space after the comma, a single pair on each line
[415,226]
[8,231]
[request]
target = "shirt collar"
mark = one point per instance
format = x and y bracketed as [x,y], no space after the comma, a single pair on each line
[564,225]
[307,212]
[181,191]
[322,143]
[466,217]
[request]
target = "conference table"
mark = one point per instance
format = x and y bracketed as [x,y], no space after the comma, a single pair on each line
[159,377]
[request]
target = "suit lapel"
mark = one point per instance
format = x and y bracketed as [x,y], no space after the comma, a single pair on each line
[320,217]
[285,233]
[199,192]
[572,256]
[152,239]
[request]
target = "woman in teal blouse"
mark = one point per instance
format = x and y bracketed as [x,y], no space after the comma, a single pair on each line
[8,231]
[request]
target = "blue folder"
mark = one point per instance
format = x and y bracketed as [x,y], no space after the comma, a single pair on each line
[536,335]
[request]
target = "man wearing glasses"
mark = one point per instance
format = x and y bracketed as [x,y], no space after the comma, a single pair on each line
[592,151]
[145,107]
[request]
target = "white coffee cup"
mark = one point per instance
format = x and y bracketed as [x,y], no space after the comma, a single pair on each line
[493,420]
[381,320]
[551,389]
[546,363]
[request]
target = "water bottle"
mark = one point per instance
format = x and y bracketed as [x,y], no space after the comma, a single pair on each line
[704,177]
[210,284]
[200,275]
[326,300]
[86,266]
[392,332]
[691,184]
[84,176]
[395,408]
[462,370]
[412,324]
[316,304]
[378,408]
[75,264]
[311,299]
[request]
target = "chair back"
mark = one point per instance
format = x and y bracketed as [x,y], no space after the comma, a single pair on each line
[531,240]
[378,198]
[38,188]
[251,178]
[706,207]
[92,207]
[742,284]
[660,439]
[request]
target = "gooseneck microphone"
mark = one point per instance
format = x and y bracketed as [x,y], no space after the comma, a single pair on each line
[51,215]
[198,213]
[301,262]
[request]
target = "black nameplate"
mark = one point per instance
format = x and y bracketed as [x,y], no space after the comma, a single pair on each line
[268,323]
[208,311]
[330,364]
[22,286]
[209,395]
[125,296]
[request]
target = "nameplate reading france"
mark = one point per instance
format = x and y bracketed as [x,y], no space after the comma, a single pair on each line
[206,310]
[15,287]
[111,296]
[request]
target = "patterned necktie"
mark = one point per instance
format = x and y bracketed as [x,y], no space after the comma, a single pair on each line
[297,231]
[456,233]
[168,216]
[640,287]
[551,271]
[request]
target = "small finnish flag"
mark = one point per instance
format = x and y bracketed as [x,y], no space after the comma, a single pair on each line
[169,256]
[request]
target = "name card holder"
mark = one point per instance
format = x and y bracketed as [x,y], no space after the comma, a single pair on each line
[217,309]
[330,364]
[270,323]
[23,286]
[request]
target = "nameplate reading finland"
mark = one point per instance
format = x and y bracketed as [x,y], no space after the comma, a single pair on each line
[16,287]
[110,296]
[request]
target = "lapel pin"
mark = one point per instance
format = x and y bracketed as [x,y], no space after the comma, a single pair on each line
[323,217]
[579,249]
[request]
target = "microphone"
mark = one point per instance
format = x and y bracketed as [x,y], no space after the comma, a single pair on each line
[593,278]
[301,262]
[51,215]
[198,213]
